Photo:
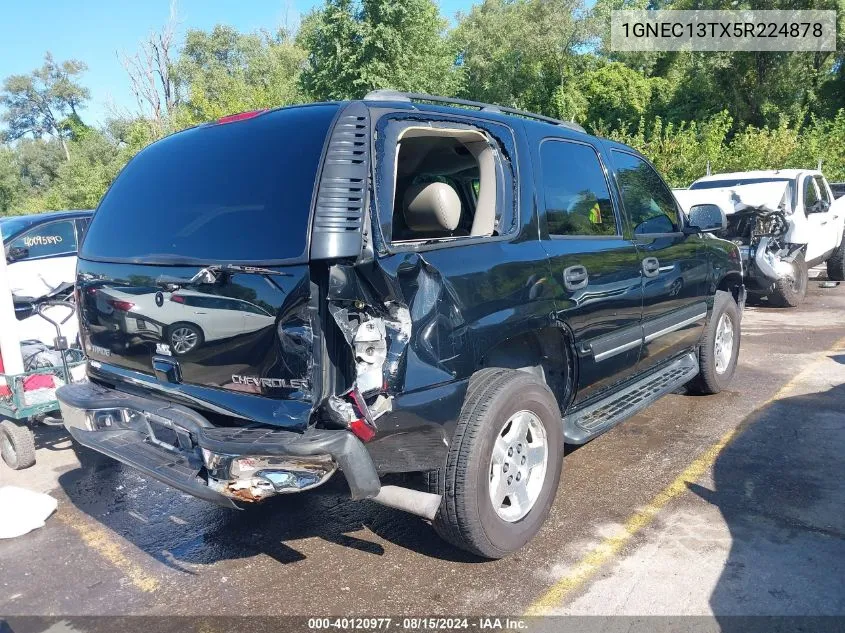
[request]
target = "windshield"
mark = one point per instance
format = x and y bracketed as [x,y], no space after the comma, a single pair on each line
[218,193]
[734,182]
[13,225]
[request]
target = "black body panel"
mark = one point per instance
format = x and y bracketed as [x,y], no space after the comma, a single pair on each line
[253,354]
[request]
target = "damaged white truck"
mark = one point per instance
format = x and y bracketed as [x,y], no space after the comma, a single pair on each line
[783,221]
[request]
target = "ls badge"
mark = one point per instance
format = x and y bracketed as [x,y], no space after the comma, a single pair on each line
[163,348]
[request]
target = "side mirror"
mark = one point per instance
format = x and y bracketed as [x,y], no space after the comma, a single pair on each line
[706,218]
[16,253]
[819,206]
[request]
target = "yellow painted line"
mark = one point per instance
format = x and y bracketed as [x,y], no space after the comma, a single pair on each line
[602,553]
[102,542]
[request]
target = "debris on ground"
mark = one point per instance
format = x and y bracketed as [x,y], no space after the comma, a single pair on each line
[22,511]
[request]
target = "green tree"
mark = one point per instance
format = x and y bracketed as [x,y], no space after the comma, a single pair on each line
[39,103]
[39,161]
[95,163]
[11,187]
[525,53]
[355,47]
[613,94]
[224,71]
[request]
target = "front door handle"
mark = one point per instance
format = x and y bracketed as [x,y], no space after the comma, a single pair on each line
[651,267]
[575,277]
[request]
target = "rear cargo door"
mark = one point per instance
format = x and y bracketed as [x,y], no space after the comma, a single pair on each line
[194,276]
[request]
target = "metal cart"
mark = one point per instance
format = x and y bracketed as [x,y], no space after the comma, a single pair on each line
[24,409]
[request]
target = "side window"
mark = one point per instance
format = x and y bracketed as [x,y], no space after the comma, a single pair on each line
[441,181]
[822,189]
[650,205]
[54,238]
[436,169]
[82,228]
[575,190]
[811,196]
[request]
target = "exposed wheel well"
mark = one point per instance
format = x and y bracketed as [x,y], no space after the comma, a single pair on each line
[732,282]
[546,353]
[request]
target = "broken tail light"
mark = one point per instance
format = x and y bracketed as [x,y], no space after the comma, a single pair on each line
[362,430]
[350,411]
[363,426]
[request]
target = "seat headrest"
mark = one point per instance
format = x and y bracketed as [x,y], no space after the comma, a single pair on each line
[432,206]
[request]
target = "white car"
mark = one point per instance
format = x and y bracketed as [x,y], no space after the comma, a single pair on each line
[785,221]
[41,250]
[182,320]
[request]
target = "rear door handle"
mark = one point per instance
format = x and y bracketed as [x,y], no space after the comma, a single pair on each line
[575,277]
[651,267]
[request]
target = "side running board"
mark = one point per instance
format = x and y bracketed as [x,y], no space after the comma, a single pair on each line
[594,419]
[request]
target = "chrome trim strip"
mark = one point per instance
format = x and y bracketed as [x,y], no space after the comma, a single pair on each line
[617,350]
[673,328]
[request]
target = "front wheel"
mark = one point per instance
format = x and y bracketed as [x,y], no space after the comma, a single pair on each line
[789,291]
[718,354]
[503,467]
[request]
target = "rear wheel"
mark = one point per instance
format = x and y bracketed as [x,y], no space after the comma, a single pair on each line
[789,291]
[503,467]
[836,263]
[17,445]
[718,354]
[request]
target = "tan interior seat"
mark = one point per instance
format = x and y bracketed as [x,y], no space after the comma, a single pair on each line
[432,209]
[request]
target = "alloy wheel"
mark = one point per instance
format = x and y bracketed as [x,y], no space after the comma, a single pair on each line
[183,340]
[724,344]
[518,466]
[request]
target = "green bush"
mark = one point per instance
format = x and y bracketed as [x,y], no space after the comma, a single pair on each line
[681,153]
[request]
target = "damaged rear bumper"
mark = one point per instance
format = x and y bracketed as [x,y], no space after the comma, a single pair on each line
[179,447]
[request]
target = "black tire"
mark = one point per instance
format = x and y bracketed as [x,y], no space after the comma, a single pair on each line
[789,292]
[17,445]
[189,326]
[836,263]
[466,517]
[709,379]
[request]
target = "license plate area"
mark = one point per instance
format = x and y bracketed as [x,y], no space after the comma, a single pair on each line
[167,435]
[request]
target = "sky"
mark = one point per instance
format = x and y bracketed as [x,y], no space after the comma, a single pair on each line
[94,31]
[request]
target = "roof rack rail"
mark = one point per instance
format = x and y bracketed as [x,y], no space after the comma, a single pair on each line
[408,97]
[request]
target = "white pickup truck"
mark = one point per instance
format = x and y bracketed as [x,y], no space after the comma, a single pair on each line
[784,221]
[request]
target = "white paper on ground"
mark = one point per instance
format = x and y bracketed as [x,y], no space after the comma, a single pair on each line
[22,511]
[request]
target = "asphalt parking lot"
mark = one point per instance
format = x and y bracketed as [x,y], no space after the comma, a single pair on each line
[728,504]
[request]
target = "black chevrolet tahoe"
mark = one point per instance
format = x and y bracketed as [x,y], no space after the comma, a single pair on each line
[400,284]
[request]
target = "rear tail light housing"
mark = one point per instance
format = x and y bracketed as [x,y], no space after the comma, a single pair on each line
[350,411]
[120,305]
[362,426]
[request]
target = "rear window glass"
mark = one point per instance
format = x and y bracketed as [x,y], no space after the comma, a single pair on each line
[232,192]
